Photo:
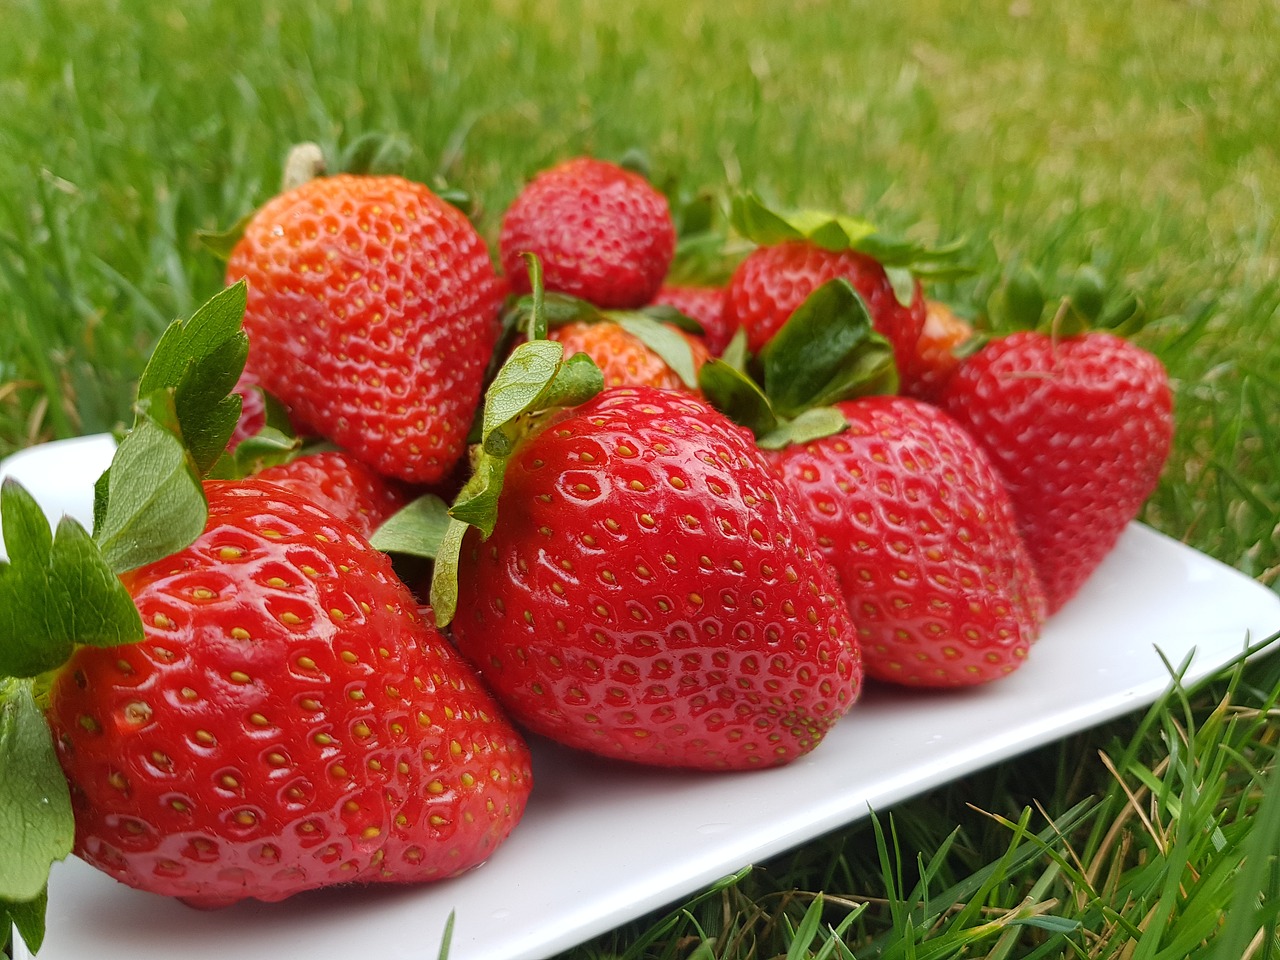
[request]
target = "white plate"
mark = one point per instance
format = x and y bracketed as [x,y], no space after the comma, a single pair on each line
[603,843]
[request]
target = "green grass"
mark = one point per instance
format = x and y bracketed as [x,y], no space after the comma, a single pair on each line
[1138,137]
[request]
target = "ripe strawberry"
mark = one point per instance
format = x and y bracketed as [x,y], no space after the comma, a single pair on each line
[934,358]
[603,234]
[773,280]
[649,592]
[918,527]
[253,410]
[337,482]
[372,313]
[704,304]
[288,722]
[623,358]
[1079,428]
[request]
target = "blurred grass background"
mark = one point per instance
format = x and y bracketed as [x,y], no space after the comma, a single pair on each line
[1139,137]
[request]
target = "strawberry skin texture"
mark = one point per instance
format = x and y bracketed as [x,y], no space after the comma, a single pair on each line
[288,722]
[704,304]
[603,234]
[1079,429]
[650,594]
[372,313]
[773,280]
[337,482]
[919,529]
[622,358]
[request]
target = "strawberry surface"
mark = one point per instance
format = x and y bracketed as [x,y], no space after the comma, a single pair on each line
[372,314]
[649,592]
[344,486]
[290,721]
[1079,428]
[622,357]
[773,280]
[603,234]
[920,531]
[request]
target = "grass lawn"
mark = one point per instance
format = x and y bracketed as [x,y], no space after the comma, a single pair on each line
[1139,138]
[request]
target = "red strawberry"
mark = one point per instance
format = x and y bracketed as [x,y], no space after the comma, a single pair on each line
[339,483]
[704,304]
[1079,428]
[919,529]
[253,410]
[623,358]
[373,310]
[649,592]
[773,280]
[288,722]
[603,234]
[934,358]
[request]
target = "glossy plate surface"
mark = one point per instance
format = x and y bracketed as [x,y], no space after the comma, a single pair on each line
[602,843]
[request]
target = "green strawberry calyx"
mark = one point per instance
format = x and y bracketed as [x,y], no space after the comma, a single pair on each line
[535,381]
[1082,301]
[60,589]
[903,260]
[826,352]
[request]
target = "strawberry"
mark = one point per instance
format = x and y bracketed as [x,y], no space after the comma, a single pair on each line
[1079,428]
[604,234]
[773,280]
[372,313]
[649,592]
[289,720]
[916,522]
[623,358]
[339,483]
[934,358]
[704,304]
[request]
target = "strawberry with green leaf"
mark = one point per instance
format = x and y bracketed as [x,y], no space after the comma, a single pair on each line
[904,504]
[241,698]
[372,312]
[801,250]
[630,577]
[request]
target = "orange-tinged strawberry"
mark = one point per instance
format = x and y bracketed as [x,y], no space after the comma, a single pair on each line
[934,358]
[372,313]
[623,358]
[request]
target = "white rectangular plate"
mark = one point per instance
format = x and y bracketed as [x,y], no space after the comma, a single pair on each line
[602,843]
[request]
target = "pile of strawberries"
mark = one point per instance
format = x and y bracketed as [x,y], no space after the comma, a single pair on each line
[687,524]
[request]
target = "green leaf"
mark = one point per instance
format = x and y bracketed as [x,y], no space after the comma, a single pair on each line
[187,341]
[417,528]
[267,448]
[535,377]
[663,340]
[28,916]
[827,351]
[222,242]
[155,503]
[737,396]
[665,314]
[812,424]
[56,591]
[36,823]
[835,232]
[444,576]
[200,360]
